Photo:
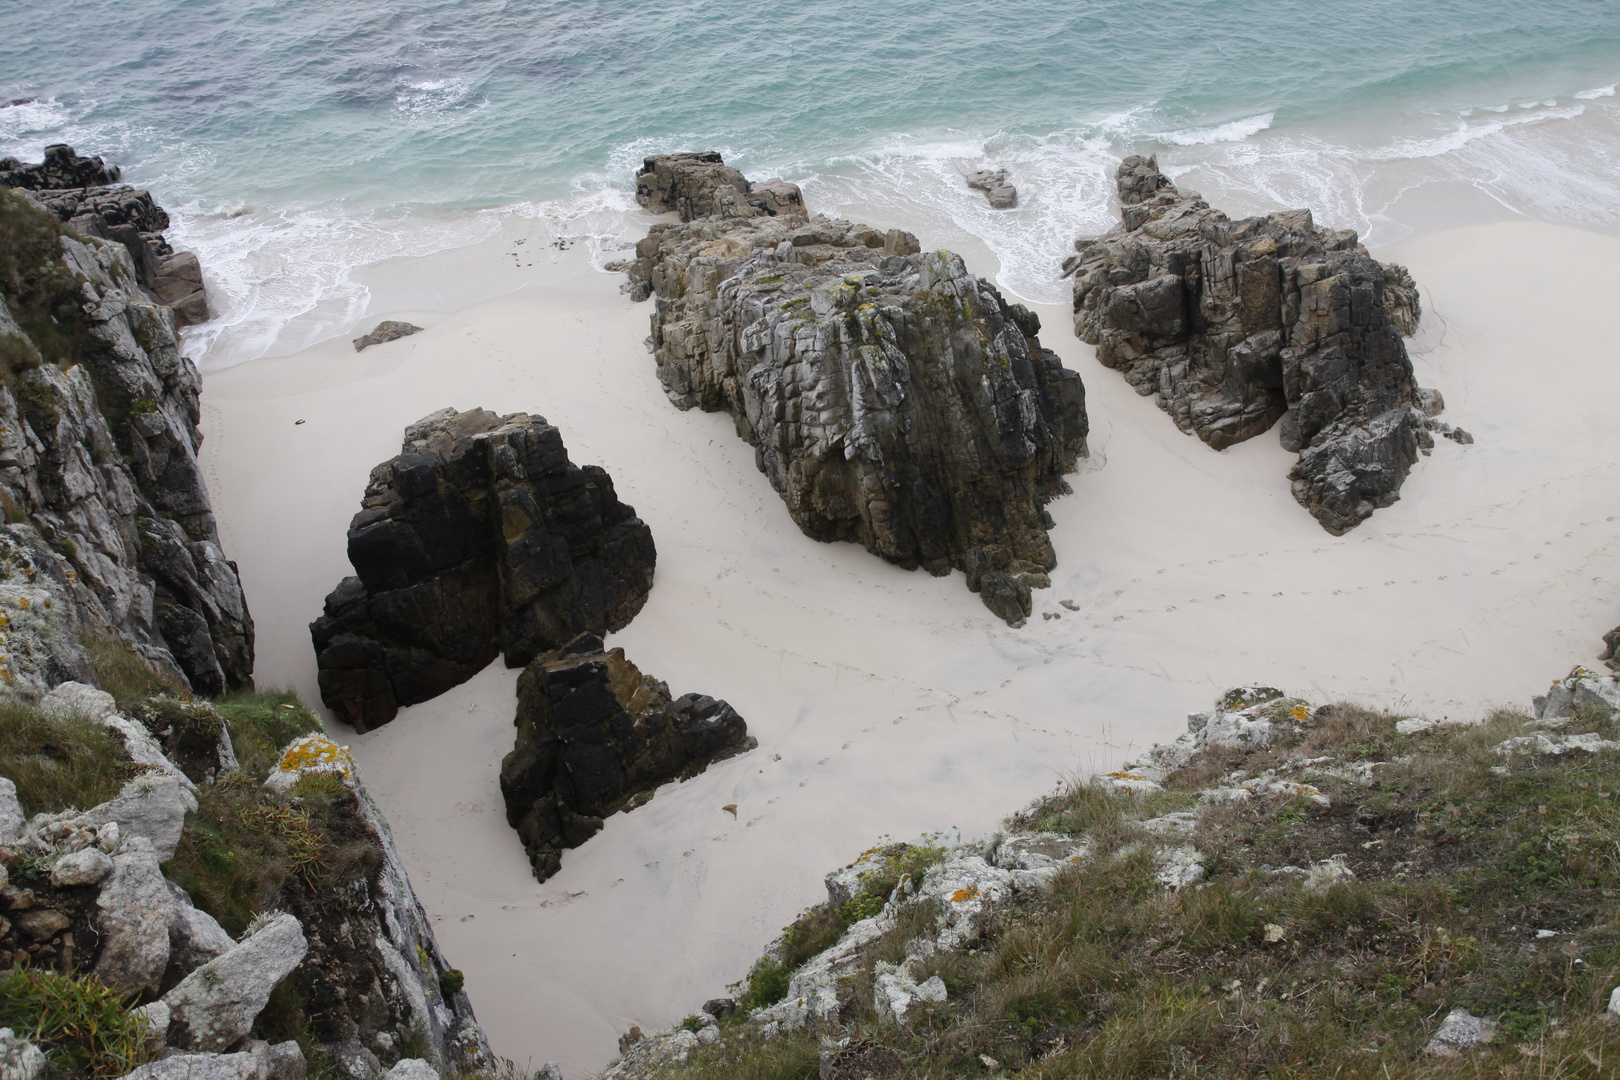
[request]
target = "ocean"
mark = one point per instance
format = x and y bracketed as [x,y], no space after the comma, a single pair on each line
[297,144]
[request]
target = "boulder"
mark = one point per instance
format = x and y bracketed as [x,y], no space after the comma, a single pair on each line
[77,701]
[286,1061]
[892,398]
[1460,1031]
[12,818]
[701,185]
[1611,645]
[1235,325]
[388,330]
[216,1005]
[76,869]
[480,538]
[411,1069]
[19,1058]
[153,806]
[62,168]
[596,736]
[240,1066]
[195,937]
[1004,197]
[134,911]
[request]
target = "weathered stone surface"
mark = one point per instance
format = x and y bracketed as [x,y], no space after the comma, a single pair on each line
[62,168]
[240,1066]
[892,398]
[1233,325]
[1611,646]
[19,1058]
[286,1061]
[42,924]
[77,701]
[11,812]
[216,1005]
[388,330]
[1461,1030]
[596,736]
[80,868]
[480,538]
[134,911]
[411,1069]
[195,937]
[703,185]
[112,522]
[152,806]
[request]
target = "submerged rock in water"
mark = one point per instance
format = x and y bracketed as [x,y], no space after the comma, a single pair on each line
[480,538]
[596,736]
[1234,325]
[892,398]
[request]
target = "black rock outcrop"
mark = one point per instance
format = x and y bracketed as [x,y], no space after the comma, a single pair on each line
[892,398]
[85,193]
[596,736]
[1235,325]
[480,538]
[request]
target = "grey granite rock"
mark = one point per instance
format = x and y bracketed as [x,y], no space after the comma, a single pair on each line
[893,399]
[216,1005]
[1235,325]
[134,911]
[388,330]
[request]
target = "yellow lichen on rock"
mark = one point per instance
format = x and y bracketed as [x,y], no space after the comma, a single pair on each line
[313,753]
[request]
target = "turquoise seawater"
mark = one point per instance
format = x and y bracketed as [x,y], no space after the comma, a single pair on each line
[296,142]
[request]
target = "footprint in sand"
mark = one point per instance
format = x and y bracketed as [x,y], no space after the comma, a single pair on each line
[804,782]
[754,822]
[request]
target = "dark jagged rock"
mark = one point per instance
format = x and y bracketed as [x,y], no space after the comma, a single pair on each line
[98,459]
[596,736]
[892,398]
[1234,325]
[480,538]
[84,193]
[1611,649]
[388,330]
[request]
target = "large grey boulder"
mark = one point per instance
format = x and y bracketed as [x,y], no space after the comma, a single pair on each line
[76,869]
[216,1005]
[239,1066]
[134,911]
[77,701]
[153,806]
[892,398]
[1234,325]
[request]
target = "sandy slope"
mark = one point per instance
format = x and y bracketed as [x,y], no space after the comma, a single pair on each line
[888,702]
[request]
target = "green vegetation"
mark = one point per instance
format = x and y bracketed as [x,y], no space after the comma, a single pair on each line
[1479,881]
[125,674]
[84,1028]
[40,291]
[59,764]
[822,925]
[262,722]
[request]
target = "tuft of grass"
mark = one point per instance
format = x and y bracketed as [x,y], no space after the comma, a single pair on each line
[60,764]
[125,674]
[262,723]
[84,1028]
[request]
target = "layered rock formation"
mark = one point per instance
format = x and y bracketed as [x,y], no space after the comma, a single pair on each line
[85,193]
[480,538]
[107,515]
[596,736]
[893,399]
[1234,325]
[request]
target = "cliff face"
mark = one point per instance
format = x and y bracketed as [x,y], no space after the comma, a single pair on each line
[1233,325]
[892,398]
[105,505]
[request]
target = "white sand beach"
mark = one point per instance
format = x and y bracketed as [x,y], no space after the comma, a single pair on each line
[887,702]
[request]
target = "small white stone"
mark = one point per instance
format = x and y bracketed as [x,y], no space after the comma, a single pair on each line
[1414,725]
[1614,1002]
[86,866]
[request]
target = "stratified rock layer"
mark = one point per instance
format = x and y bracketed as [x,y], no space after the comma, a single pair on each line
[893,398]
[85,193]
[480,538]
[106,508]
[596,736]
[1233,325]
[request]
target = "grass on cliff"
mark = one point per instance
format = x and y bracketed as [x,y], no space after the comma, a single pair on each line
[40,291]
[125,674]
[59,764]
[84,1029]
[1481,882]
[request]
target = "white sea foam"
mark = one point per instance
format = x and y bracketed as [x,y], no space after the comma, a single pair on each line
[1600,92]
[1233,131]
